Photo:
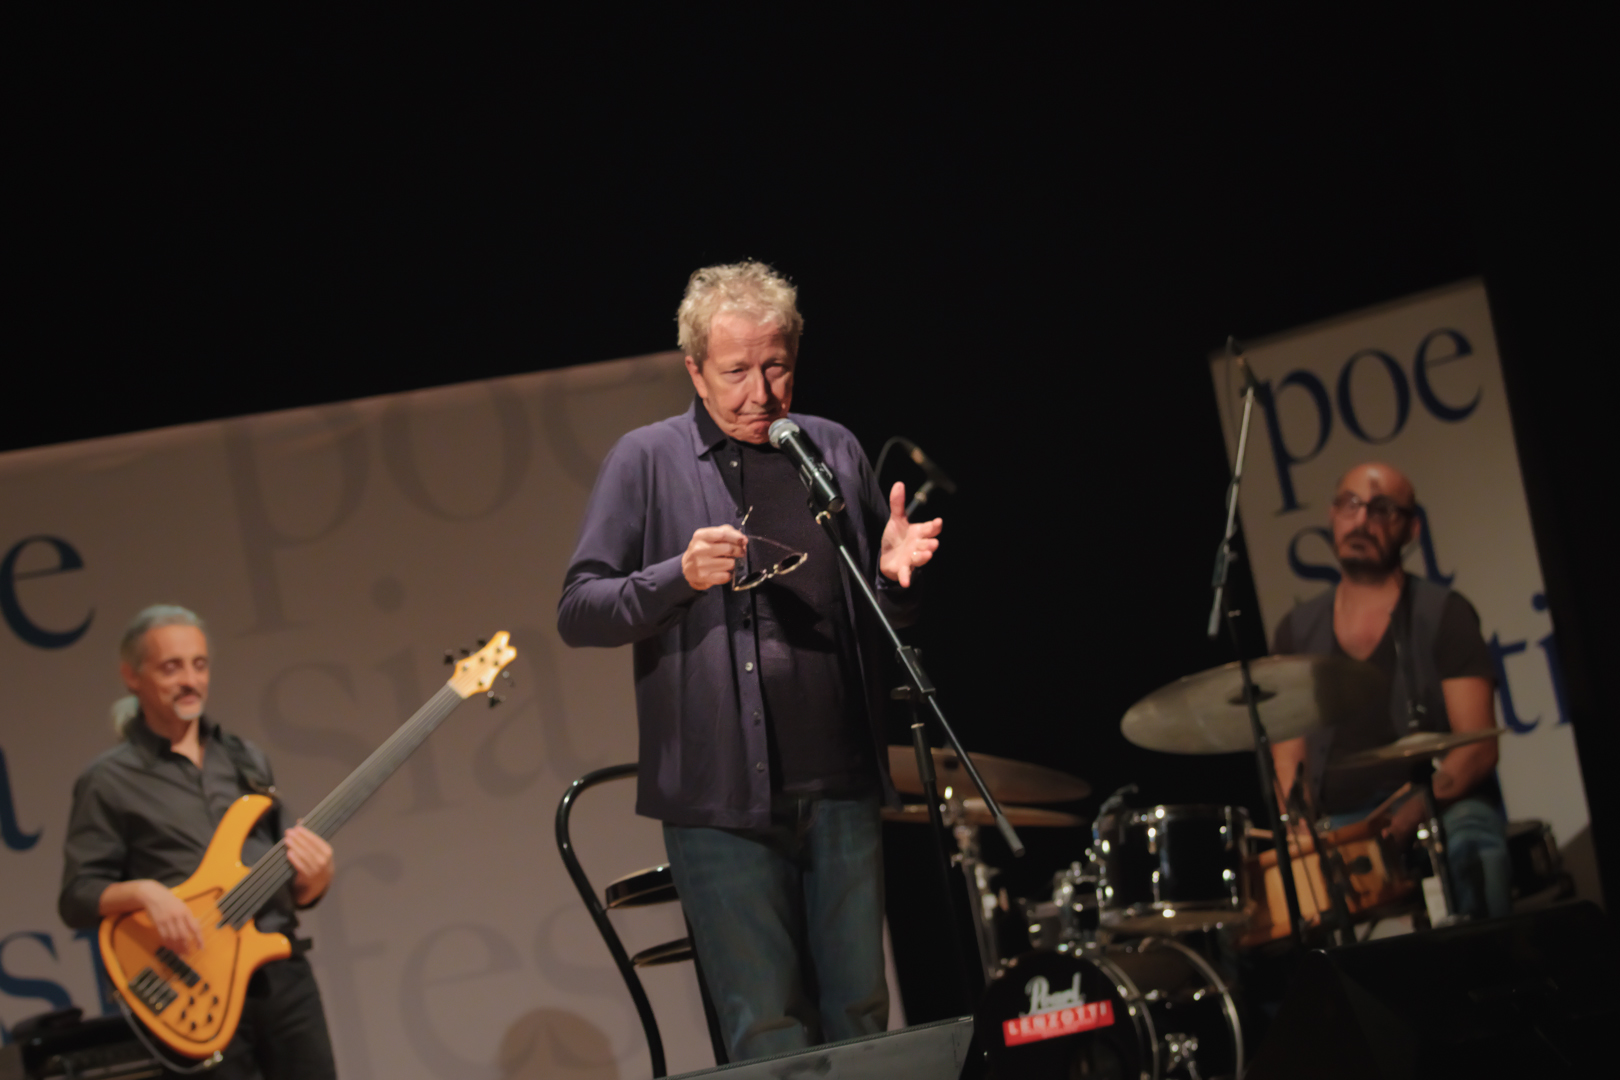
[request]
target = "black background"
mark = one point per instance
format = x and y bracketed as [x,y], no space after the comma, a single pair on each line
[1017,234]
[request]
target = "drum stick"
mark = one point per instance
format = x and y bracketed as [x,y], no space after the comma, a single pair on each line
[1401,794]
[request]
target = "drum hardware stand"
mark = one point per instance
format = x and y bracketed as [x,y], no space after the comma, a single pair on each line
[972,977]
[977,874]
[1334,873]
[1280,825]
[1432,835]
[1181,1051]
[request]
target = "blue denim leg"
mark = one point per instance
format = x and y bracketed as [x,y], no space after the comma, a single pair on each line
[788,924]
[1477,853]
[843,892]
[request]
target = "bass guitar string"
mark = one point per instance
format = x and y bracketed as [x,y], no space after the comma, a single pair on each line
[330,815]
[273,870]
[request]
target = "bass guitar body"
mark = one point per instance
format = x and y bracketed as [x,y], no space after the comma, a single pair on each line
[193,1002]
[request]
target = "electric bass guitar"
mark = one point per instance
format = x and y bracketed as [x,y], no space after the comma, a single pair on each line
[192,1003]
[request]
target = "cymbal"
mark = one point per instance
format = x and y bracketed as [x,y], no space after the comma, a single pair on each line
[1420,744]
[1010,781]
[975,812]
[1206,713]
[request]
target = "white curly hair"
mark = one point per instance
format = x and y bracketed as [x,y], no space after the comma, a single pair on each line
[748,288]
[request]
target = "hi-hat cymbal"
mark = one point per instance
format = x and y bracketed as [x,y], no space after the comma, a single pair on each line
[1206,713]
[1010,781]
[975,812]
[1420,744]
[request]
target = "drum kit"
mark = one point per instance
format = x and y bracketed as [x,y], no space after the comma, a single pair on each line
[1116,951]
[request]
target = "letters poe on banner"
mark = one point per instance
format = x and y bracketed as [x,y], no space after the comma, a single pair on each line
[1416,383]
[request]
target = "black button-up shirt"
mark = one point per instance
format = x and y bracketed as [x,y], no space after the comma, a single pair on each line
[143,811]
[808,667]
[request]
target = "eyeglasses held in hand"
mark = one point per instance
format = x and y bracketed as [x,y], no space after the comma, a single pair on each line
[745,575]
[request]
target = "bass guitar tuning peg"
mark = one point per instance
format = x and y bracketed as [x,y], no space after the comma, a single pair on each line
[482,642]
[449,657]
[466,652]
[495,699]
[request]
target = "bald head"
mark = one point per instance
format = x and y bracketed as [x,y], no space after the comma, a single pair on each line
[1374,517]
[1377,478]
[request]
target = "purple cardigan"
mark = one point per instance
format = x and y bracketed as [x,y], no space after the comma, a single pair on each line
[698,696]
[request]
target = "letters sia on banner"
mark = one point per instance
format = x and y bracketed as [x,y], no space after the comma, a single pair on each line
[1416,383]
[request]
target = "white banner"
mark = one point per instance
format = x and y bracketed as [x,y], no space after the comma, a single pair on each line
[1416,383]
[336,553]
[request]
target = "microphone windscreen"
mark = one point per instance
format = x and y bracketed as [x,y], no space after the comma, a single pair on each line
[780,430]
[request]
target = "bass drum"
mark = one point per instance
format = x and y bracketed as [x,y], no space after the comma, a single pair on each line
[1150,1010]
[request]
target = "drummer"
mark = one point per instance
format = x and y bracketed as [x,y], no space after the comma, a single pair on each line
[1422,636]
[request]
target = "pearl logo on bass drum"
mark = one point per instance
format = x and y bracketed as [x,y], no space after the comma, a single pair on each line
[1052,1015]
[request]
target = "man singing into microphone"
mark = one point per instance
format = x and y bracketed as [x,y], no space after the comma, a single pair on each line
[760,708]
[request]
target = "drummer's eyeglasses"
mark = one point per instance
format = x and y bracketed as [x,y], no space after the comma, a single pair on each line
[1380,508]
[746,574]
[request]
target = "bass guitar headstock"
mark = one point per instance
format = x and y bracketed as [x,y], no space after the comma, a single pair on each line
[476,673]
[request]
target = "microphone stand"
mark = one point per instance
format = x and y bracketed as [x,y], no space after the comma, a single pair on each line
[922,687]
[1251,696]
[824,503]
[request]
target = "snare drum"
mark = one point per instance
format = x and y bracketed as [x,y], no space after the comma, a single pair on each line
[1150,1010]
[1378,884]
[1169,869]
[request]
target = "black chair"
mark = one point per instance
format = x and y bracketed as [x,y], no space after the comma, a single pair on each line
[640,889]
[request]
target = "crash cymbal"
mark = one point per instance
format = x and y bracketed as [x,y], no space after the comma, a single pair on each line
[974,812]
[1206,713]
[1010,781]
[1420,744]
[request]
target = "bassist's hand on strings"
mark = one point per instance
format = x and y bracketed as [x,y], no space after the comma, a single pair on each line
[175,923]
[311,859]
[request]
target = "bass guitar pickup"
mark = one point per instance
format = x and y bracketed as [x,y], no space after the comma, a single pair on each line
[187,973]
[153,990]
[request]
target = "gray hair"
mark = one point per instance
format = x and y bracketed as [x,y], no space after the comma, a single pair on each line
[746,288]
[132,650]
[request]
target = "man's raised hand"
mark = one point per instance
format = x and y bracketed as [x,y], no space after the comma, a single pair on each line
[711,558]
[906,544]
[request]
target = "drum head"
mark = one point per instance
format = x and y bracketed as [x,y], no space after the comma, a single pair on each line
[1061,1015]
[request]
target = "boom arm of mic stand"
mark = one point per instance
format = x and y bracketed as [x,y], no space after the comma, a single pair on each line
[921,685]
[1223,555]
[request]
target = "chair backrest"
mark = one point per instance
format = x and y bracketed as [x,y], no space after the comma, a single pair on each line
[587,893]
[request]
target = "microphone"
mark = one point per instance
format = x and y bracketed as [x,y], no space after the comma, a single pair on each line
[936,476]
[824,494]
[1237,352]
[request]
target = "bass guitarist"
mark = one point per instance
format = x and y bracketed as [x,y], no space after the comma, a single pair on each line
[143,815]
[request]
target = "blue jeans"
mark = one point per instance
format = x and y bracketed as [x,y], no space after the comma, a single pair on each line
[1476,855]
[788,923]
